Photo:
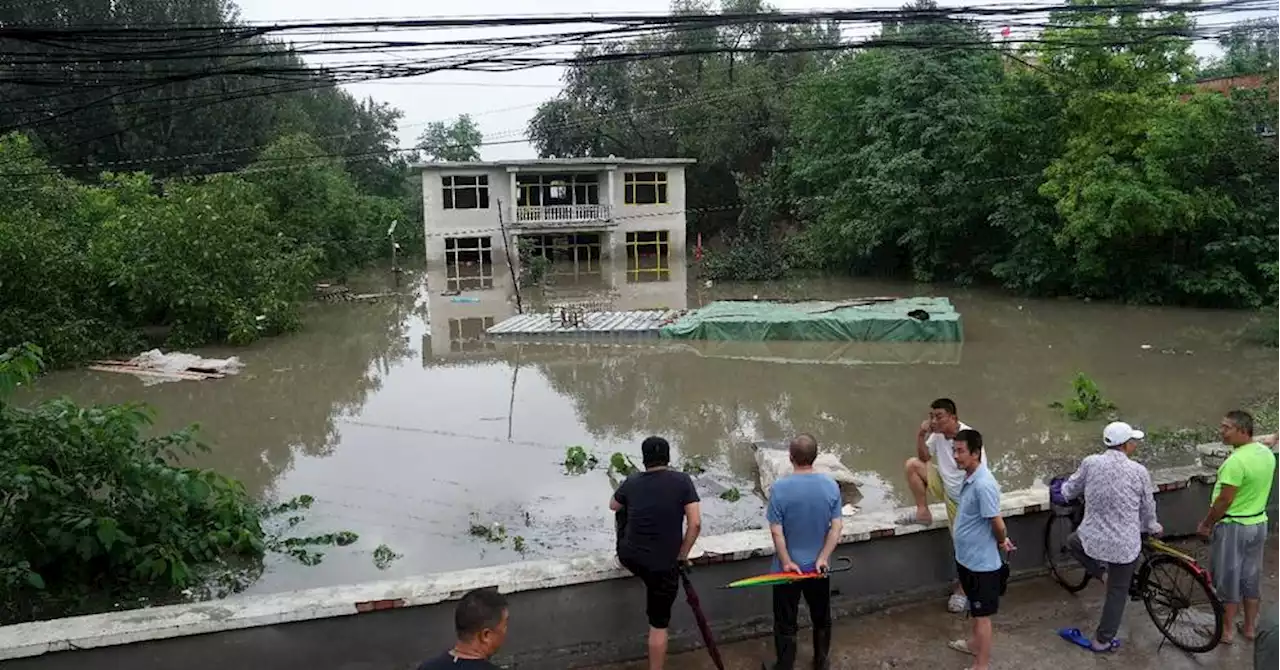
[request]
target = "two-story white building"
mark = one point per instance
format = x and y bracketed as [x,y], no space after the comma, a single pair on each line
[568,209]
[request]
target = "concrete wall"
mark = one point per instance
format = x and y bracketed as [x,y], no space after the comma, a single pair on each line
[565,613]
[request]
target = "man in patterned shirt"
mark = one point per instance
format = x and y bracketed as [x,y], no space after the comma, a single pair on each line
[1119,507]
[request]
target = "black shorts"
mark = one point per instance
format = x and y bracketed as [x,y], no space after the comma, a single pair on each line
[661,587]
[983,589]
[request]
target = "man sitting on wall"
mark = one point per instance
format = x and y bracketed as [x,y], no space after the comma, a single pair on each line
[662,520]
[481,624]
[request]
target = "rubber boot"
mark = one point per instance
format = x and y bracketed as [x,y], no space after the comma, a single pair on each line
[785,646]
[822,648]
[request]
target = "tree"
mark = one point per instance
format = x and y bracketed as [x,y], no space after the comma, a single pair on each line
[456,141]
[1248,48]
[888,155]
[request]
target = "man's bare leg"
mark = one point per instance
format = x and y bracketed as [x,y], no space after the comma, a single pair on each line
[1250,628]
[1229,619]
[980,643]
[917,473]
[657,648]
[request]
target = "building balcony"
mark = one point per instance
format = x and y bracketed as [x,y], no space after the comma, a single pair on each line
[562,216]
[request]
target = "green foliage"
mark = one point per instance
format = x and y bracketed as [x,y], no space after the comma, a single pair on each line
[457,141]
[226,258]
[384,556]
[723,108]
[693,465]
[91,505]
[578,461]
[1247,48]
[731,494]
[753,252]
[533,267]
[622,465]
[192,119]
[1086,401]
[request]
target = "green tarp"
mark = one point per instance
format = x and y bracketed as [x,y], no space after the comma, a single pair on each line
[857,319]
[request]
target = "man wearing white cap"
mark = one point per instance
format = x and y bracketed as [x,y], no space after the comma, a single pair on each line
[1119,507]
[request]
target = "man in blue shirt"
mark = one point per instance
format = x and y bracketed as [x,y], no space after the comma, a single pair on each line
[979,534]
[804,519]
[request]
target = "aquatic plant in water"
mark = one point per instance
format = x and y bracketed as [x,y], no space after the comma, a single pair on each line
[577,460]
[1086,401]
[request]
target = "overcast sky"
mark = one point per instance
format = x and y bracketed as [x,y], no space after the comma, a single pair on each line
[500,103]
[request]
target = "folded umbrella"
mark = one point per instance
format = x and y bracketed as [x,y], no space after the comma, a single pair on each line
[703,627]
[774,578]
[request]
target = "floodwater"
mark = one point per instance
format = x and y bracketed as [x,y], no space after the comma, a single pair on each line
[408,426]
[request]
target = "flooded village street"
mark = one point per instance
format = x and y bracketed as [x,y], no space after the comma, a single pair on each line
[408,426]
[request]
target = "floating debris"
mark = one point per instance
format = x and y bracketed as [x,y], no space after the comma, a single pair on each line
[156,367]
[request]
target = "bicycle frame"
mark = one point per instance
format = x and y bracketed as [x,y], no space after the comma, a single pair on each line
[1156,545]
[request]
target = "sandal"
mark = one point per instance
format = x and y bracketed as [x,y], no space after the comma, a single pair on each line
[961,646]
[1074,636]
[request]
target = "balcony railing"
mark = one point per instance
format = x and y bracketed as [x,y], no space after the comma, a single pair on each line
[555,215]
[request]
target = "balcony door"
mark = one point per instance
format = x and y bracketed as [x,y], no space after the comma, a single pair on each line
[545,190]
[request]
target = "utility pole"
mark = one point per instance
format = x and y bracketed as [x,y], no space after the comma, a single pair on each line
[391,232]
[506,251]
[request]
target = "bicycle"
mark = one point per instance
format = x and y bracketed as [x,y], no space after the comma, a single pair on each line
[1195,610]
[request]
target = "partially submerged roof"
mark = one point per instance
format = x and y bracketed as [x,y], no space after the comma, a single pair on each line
[535,163]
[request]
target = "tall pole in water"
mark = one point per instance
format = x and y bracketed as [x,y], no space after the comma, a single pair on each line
[506,251]
[391,235]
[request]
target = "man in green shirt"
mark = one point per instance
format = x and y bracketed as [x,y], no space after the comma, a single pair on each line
[1237,522]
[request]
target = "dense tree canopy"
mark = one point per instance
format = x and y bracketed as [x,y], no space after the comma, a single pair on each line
[1085,164]
[456,141]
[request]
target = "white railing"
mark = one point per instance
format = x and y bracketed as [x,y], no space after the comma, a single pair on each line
[561,214]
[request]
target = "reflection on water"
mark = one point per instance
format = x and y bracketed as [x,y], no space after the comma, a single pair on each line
[409,425]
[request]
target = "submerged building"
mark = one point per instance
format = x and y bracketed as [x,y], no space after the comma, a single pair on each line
[567,209]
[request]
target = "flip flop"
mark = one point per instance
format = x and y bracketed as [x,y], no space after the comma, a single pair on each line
[1074,636]
[961,646]
[911,519]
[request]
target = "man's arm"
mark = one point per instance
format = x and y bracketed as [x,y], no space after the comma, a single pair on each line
[1147,506]
[1231,476]
[619,499]
[1218,509]
[922,442]
[1074,486]
[692,527]
[773,514]
[1001,532]
[989,507]
[835,530]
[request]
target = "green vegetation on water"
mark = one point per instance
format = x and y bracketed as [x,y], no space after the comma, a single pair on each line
[1086,400]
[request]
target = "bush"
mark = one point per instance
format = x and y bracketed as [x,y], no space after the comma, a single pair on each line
[92,507]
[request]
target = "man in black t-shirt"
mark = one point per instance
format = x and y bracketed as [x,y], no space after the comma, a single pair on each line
[653,537]
[481,624]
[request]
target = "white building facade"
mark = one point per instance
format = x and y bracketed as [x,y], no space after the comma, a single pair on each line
[567,209]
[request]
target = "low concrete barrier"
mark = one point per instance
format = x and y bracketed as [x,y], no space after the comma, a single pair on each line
[565,613]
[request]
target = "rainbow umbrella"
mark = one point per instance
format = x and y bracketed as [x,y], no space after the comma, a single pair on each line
[775,578]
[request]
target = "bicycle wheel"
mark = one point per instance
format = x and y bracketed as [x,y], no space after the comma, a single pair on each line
[1066,570]
[1181,603]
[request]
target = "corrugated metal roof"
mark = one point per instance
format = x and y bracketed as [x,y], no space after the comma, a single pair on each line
[593,323]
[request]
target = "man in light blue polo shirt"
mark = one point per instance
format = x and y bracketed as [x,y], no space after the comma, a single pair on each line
[979,534]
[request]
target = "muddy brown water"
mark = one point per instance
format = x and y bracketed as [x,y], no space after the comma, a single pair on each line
[408,426]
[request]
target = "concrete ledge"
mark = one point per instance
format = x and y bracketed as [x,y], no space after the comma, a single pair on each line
[582,592]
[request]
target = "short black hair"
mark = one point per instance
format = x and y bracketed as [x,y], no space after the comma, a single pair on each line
[478,610]
[655,451]
[804,449]
[1242,419]
[946,404]
[972,440]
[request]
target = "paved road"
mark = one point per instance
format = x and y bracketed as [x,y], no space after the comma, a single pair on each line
[915,636]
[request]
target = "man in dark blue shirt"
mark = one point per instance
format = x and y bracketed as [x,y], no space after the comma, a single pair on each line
[805,522]
[480,621]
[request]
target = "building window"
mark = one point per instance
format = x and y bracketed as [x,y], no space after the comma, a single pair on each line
[568,189]
[468,263]
[572,255]
[648,256]
[468,335]
[646,188]
[465,192]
